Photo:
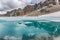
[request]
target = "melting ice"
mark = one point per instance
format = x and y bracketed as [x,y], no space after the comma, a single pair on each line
[29,28]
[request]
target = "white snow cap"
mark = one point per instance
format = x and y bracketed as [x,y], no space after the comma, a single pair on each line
[6,5]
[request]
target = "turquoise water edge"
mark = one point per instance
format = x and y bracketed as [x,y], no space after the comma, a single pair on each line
[29,29]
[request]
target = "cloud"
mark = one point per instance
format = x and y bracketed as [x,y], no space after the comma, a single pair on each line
[6,5]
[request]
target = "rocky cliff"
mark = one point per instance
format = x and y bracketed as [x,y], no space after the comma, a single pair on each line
[21,12]
[29,9]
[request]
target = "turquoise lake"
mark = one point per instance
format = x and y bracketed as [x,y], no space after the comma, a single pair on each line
[30,28]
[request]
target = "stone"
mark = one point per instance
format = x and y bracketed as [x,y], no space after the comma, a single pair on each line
[28,8]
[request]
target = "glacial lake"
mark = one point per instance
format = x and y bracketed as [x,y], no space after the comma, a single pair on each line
[30,28]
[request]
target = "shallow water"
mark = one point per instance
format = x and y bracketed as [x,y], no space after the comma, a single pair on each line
[29,29]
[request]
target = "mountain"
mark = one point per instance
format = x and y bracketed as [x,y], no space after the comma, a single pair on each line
[21,12]
[34,10]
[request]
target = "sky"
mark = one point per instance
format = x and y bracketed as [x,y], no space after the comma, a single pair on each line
[6,5]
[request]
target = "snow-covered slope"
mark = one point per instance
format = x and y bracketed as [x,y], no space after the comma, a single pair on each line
[52,17]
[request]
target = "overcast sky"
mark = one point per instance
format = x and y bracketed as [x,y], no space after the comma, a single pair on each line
[6,5]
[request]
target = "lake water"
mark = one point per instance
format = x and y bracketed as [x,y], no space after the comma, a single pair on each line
[29,29]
